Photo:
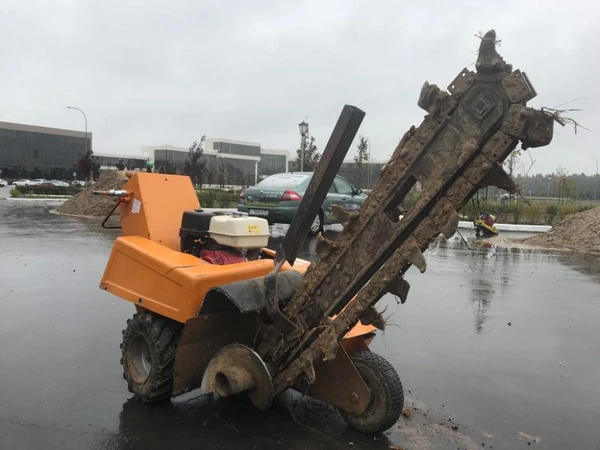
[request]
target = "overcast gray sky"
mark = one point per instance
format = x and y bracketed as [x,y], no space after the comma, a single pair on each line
[164,72]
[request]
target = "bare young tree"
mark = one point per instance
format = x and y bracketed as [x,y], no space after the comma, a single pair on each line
[195,164]
[362,156]
[88,166]
[311,156]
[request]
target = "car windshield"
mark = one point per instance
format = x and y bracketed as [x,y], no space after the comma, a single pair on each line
[291,180]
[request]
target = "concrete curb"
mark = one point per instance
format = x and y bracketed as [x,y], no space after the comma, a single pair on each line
[20,199]
[463,224]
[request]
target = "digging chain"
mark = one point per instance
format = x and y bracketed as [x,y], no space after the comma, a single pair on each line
[457,150]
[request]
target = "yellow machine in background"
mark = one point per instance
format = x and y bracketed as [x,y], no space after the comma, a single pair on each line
[484,225]
[484,222]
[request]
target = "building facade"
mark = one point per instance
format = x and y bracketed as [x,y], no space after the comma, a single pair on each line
[366,177]
[109,161]
[272,162]
[28,151]
[228,162]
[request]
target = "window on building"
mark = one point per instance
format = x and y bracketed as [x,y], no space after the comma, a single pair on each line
[237,149]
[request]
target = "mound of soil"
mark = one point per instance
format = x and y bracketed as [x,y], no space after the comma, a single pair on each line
[87,204]
[580,232]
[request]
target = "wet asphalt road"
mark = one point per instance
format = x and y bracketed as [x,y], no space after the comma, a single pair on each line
[460,363]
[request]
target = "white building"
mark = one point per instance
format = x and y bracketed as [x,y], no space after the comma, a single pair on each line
[109,161]
[235,162]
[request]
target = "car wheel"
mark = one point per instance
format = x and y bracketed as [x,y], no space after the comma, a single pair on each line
[317,225]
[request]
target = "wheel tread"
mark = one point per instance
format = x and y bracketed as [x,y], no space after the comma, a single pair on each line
[393,392]
[162,335]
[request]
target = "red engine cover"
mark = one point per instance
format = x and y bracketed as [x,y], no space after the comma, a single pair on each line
[221,257]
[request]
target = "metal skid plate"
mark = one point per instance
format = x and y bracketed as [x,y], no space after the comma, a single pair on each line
[201,338]
[338,383]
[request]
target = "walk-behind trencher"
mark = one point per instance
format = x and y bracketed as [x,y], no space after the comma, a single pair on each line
[217,310]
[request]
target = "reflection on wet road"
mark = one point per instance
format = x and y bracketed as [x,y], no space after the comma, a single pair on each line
[461,362]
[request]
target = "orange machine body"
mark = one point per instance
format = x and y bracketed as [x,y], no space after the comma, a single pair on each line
[146,266]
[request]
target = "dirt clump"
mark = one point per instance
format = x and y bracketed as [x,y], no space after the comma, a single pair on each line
[577,232]
[89,205]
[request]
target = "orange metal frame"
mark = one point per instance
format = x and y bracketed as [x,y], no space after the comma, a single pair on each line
[146,266]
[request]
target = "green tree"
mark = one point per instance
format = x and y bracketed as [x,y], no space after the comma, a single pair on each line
[221,177]
[567,189]
[245,180]
[362,156]
[170,167]
[512,161]
[311,156]
[195,164]
[88,166]
[210,175]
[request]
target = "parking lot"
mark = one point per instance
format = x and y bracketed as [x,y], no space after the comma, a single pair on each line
[495,348]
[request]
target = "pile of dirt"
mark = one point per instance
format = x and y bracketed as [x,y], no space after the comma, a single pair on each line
[87,204]
[580,232]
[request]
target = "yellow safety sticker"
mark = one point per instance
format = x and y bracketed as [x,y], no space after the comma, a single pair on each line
[253,229]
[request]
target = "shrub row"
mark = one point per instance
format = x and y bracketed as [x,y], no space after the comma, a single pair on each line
[48,190]
[520,212]
[214,198]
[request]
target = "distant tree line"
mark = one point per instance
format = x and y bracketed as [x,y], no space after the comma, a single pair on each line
[560,184]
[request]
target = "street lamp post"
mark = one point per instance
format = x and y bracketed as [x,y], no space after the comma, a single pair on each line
[303,127]
[596,178]
[86,133]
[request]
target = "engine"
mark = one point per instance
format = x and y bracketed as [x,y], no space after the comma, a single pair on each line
[222,238]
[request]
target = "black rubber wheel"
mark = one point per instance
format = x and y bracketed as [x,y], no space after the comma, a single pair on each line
[387,395]
[317,225]
[148,354]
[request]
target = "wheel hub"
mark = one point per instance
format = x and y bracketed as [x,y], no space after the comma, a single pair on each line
[237,368]
[316,224]
[139,358]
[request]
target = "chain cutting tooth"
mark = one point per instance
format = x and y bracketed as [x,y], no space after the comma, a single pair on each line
[399,287]
[343,215]
[449,228]
[373,317]
[415,256]
[324,246]
[499,178]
